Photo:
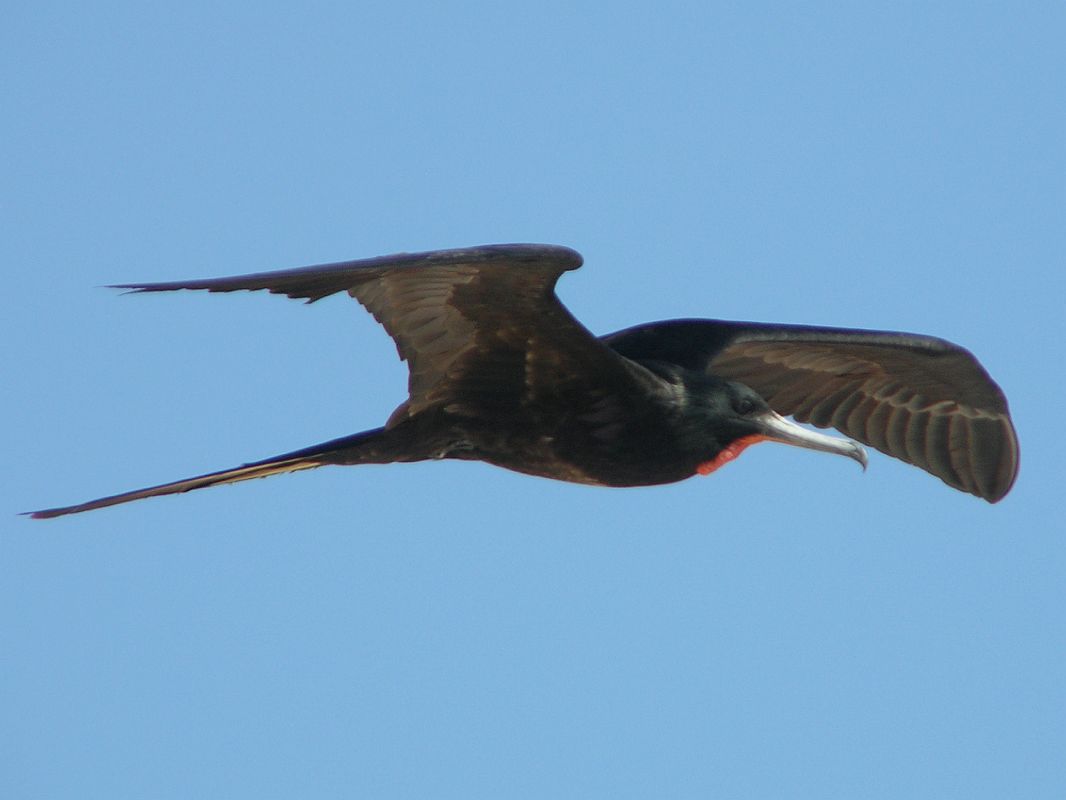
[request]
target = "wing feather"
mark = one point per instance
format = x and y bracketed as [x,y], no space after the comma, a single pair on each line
[920,399]
[464,320]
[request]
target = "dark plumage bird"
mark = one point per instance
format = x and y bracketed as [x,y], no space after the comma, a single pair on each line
[501,372]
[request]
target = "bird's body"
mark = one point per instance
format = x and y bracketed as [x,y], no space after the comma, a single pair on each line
[643,435]
[501,372]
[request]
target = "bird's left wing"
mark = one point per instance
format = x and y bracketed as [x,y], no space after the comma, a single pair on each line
[917,398]
[479,326]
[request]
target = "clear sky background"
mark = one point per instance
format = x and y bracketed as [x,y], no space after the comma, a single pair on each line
[790,627]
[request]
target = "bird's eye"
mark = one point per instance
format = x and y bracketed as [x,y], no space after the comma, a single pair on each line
[744,406]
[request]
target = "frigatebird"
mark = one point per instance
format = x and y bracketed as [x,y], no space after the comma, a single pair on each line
[501,372]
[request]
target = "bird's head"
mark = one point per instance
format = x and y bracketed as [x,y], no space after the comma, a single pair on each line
[733,416]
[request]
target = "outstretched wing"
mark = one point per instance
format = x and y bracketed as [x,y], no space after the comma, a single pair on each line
[478,327]
[921,399]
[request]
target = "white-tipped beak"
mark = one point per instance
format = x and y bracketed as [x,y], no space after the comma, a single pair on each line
[777,428]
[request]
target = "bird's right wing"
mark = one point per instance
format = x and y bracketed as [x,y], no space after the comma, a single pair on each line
[917,398]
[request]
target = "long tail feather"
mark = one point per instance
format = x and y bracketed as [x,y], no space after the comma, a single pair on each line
[369,447]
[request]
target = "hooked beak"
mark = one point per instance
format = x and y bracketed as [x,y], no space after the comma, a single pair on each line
[778,429]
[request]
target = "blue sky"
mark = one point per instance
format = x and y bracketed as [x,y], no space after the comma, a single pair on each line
[789,627]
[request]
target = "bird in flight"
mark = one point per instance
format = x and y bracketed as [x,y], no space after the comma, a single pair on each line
[501,372]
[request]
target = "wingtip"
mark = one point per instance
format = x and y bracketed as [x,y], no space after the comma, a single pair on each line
[134,288]
[126,289]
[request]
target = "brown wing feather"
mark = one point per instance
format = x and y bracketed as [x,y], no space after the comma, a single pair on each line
[934,408]
[478,327]
[918,398]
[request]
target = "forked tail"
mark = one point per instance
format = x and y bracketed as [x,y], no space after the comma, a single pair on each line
[378,446]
